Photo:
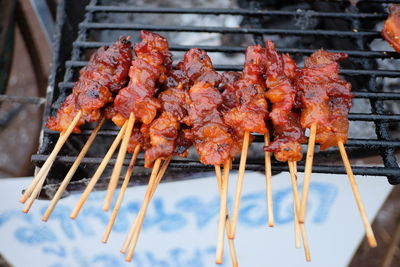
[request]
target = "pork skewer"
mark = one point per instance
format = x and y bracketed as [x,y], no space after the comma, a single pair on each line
[208,131]
[162,134]
[249,114]
[280,72]
[165,140]
[149,69]
[105,73]
[327,100]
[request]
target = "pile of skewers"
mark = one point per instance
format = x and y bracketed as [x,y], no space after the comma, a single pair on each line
[164,111]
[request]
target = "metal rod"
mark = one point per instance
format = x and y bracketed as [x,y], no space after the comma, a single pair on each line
[23,99]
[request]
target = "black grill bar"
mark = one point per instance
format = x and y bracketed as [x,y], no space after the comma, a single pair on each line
[229,11]
[23,99]
[239,49]
[225,67]
[377,107]
[254,166]
[216,29]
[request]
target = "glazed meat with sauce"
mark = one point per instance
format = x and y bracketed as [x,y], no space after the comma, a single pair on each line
[288,134]
[208,131]
[320,82]
[164,130]
[391,28]
[250,112]
[149,70]
[106,72]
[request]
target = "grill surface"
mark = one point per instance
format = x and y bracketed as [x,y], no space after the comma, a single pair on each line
[104,22]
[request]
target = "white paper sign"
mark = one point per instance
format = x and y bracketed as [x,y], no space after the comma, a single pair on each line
[180,229]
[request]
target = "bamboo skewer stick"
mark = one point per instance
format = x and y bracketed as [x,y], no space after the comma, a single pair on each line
[239,185]
[231,243]
[112,185]
[307,173]
[268,179]
[296,206]
[153,182]
[35,192]
[222,213]
[49,162]
[132,230]
[297,236]
[368,229]
[71,172]
[98,173]
[121,194]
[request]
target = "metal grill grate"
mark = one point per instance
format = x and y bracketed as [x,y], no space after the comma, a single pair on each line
[103,23]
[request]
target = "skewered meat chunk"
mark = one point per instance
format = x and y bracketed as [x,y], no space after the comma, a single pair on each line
[320,83]
[391,28]
[208,132]
[149,69]
[110,65]
[140,136]
[228,95]
[280,71]
[281,92]
[106,72]
[163,133]
[65,115]
[164,130]
[251,110]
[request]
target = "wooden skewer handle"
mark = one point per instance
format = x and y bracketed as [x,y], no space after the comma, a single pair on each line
[307,173]
[222,213]
[231,243]
[71,172]
[49,162]
[35,192]
[142,213]
[239,185]
[268,178]
[296,202]
[368,229]
[98,173]
[112,185]
[121,194]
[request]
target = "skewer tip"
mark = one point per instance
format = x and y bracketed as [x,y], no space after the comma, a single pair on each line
[25,211]
[45,219]
[105,209]
[271,224]
[372,241]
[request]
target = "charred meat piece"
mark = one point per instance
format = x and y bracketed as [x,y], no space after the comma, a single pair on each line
[106,72]
[208,131]
[391,28]
[148,71]
[320,82]
[288,133]
[164,131]
[250,111]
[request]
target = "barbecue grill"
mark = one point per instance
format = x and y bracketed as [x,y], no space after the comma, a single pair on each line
[102,21]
